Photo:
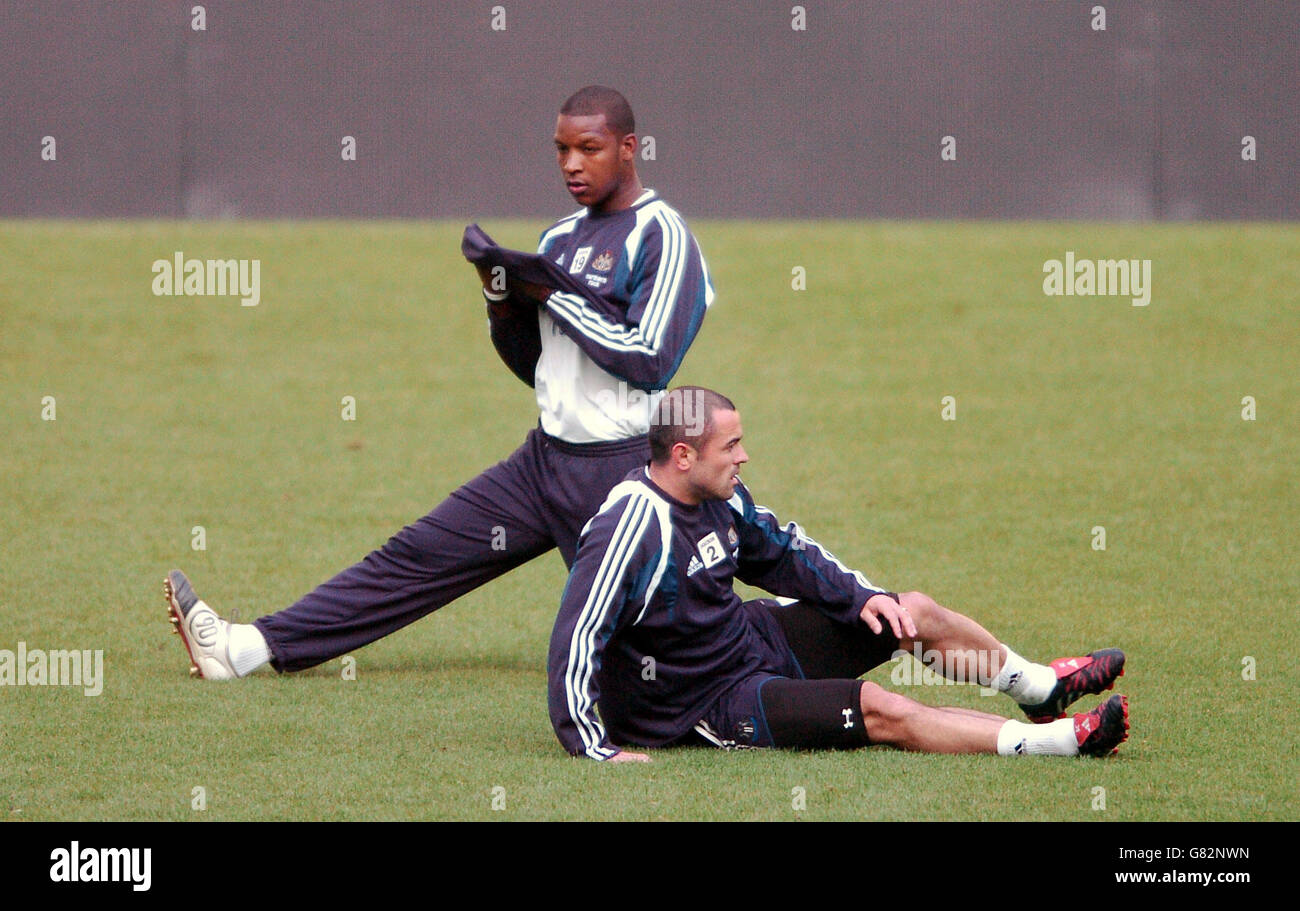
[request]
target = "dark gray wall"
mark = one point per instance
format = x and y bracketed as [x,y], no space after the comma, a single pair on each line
[750,118]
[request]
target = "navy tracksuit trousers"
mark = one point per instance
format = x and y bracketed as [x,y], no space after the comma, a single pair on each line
[538,498]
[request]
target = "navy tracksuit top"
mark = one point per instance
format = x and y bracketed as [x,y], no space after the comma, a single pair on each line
[649,625]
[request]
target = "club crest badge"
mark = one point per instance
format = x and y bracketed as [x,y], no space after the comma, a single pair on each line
[604,262]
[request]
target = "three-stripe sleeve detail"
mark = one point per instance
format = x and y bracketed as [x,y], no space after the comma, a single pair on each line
[605,587]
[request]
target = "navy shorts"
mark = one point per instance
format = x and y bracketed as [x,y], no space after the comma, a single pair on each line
[811,698]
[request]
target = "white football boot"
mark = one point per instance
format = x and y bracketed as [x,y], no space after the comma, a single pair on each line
[206,636]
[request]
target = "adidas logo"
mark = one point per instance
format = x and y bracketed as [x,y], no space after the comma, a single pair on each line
[694,566]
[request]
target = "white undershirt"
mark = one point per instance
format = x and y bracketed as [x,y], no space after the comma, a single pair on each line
[578,400]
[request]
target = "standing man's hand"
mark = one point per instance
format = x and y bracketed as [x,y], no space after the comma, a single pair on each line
[497,286]
[625,756]
[900,621]
[487,278]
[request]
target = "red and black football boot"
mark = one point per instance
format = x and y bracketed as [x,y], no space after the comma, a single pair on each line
[1075,678]
[1101,731]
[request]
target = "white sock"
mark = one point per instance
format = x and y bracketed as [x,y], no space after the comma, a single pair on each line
[1024,681]
[248,649]
[1056,738]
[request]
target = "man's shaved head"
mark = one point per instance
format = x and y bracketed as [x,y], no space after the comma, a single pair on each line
[684,415]
[598,99]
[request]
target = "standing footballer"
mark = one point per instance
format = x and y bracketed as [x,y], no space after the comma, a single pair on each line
[597,323]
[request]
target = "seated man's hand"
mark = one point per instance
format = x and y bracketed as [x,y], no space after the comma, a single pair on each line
[625,756]
[900,621]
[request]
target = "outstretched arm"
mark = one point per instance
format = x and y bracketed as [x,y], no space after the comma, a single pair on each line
[786,561]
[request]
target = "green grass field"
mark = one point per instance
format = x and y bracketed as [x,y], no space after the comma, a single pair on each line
[1071,413]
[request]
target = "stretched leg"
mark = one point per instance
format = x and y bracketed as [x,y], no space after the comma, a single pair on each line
[486,528]
[846,714]
[537,499]
[900,722]
[779,711]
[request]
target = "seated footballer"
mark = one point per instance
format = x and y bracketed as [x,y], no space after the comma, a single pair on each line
[650,630]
